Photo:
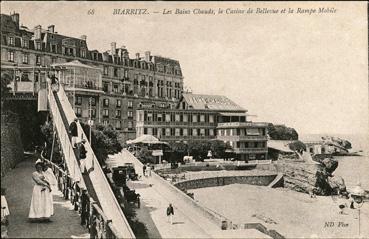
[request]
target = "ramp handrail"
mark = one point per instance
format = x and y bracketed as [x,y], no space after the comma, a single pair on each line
[108,202]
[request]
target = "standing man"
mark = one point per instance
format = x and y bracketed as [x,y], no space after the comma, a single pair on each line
[170,213]
[82,155]
[74,132]
[144,170]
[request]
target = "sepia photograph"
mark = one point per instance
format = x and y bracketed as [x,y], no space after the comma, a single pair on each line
[209,119]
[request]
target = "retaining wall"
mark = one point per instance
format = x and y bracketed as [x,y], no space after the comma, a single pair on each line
[262,180]
[11,143]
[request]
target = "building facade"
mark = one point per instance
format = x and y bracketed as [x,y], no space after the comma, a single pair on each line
[206,117]
[127,83]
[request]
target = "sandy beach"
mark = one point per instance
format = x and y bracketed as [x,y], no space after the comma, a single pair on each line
[293,214]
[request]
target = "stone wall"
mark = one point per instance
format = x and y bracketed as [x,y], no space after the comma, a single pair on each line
[262,180]
[11,143]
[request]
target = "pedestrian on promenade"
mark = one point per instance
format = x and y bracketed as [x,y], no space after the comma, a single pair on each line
[144,170]
[148,168]
[74,132]
[40,209]
[82,155]
[170,213]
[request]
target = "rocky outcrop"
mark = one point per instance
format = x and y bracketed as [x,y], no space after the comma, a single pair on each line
[309,177]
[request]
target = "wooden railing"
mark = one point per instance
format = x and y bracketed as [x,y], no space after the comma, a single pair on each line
[92,217]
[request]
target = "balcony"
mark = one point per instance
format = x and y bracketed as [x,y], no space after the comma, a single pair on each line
[250,150]
[23,86]
[83,87]
[242,137]
[242,124]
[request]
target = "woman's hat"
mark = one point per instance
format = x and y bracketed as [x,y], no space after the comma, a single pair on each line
[39,161]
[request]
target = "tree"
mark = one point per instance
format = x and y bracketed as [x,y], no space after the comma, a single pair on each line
[104,141]
[5,80]
[297,146]
[282,132]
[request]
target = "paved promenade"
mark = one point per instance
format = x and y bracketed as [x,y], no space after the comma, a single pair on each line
[65,222]
[185,224]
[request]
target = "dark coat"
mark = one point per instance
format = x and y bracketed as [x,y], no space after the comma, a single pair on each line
[73,129]
[82,151]
[170,210]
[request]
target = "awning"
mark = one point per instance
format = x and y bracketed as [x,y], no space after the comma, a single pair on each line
[280,145]
[233,114]
[75,63]
[145,139]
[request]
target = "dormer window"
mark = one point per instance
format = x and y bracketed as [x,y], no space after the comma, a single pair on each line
[53,48]
[83,53]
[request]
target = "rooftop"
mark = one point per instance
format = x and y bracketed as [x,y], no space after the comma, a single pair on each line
[211,102]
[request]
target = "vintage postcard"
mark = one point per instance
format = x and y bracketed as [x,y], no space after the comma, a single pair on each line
[184,119]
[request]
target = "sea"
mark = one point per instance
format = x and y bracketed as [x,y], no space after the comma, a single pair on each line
[353,169]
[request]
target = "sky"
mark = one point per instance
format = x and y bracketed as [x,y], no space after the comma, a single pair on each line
[307,71]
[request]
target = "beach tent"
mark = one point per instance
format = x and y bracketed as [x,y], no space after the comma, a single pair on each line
[146,139]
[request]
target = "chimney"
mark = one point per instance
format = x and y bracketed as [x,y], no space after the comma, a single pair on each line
[147,56]
[38,32]
[137,56]
[84,37]
[51,28]
[15,18]
[113,48]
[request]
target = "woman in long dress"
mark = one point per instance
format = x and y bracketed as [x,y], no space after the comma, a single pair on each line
[51,179]
[40,209]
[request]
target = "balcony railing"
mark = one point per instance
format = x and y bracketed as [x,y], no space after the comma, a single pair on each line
[250,150]
[242,124]
[243,137]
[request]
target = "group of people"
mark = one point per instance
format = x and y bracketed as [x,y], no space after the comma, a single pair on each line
[45,183]
[78,146]
[146,170]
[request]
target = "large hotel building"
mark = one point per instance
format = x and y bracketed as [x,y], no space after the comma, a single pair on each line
[139,95]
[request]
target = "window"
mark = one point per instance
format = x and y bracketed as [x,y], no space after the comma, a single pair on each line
[115,88]
[185,132]
[149,131]
[149,117]
[106,70]
[11,41]
[194,132]
[194,118]
[38,60]
[167,117]
[25,58]
[177,117]
[78,100]
[119,103]
[83,53]
[78,111]
[202,118]
[118,124]
[202,132]
[130,104]
[106,113]
[211,118]
[38,46]
[106,87]
[130,114]
[106,102]
[185,117]
[130,125]
[11,56]
[211,132]
[25,43]
[167,132]
[115,72]
[177,132]
[117,114]
[126,73]
[105,122]
[53,60]
[53,48]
